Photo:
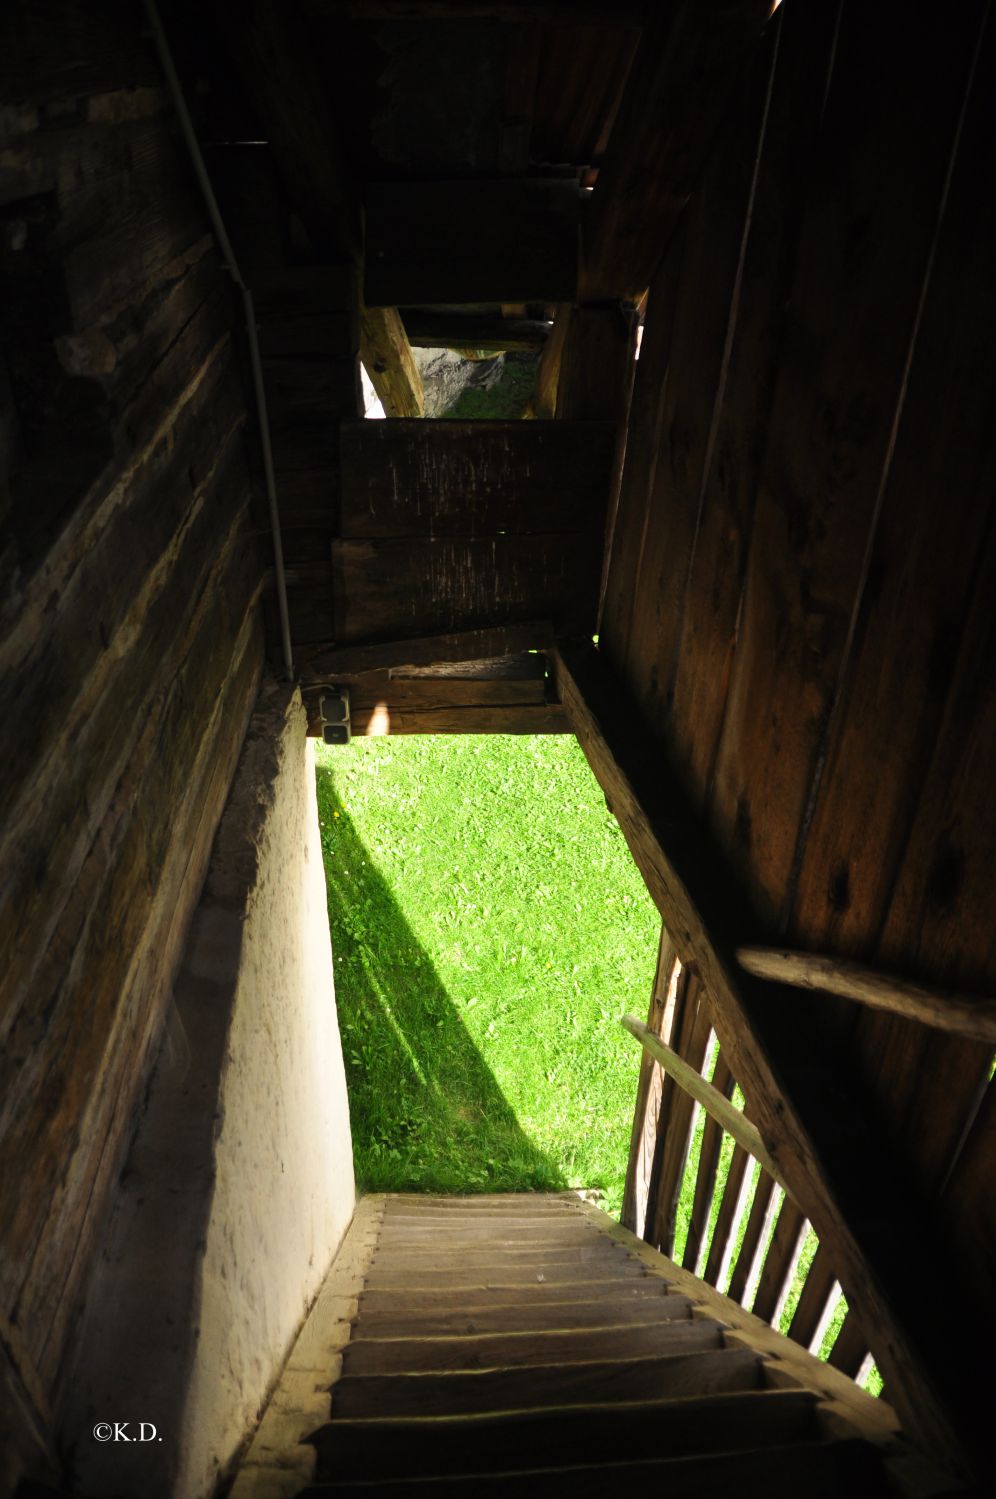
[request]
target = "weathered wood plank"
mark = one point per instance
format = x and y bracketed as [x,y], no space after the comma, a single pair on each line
[512,239]
[524,1350]
[648,1092]
[472,1392]
[612,1293]
[388,360]
[779,1261]
[383,588]
[473,479]
[817,497]
[726,1218]
[331,662]
[396,1273]
[822,1470]
[813,1298]
[715,1102]
[627,543]
[407,1449]
[280,76]
[110,1038]
[442,330]
[676,1116]
[705,1181]
[850,1347]
[511,719]
[471,1320]
[754,1233]
[677,93]
[765,174]
[955,1013]
[706,261]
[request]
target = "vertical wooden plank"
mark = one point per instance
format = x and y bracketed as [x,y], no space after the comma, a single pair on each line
[779,1261]
[726,1218]
[813,1298]
[675,1126]
[698,675]
[850,1347]
[752,1236]
[831,425]
[896,865]
[713,233]
[650,389]
[712,1141]
[648,1090]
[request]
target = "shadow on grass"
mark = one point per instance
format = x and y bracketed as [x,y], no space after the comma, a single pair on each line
[427,1114]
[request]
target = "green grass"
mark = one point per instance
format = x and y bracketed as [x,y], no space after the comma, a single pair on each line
[489,927]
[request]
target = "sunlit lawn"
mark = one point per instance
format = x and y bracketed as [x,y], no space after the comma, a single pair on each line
[489,928]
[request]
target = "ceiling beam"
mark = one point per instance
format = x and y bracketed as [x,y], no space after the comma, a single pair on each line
[857,1199]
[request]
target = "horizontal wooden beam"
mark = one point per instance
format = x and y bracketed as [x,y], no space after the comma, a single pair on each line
[714,1102]
[956,1013]
[507,239]
[441,330]
[849,1187]
[329,663]
[527,718]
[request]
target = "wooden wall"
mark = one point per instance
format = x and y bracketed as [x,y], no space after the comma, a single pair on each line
[131,648]
[800,594]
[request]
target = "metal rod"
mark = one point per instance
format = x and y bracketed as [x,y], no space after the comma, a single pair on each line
[255,361]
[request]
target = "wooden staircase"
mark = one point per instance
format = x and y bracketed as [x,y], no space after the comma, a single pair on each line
[528,1345]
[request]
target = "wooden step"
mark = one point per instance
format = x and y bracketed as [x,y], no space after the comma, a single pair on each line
[456,1273]
[458,1393]
[382,1449]
[495,1217]
[825,1470]
[463,1320]
[481,1235]
[517,1253]
[516,1350]
[617,1290]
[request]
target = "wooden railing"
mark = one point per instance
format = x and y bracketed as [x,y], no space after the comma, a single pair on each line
[693,1137]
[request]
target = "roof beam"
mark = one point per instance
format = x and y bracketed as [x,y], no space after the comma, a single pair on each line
[856,1197]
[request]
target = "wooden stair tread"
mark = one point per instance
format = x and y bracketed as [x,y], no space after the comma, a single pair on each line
[529,1346]
[365,1355]
[441,1250]
[817,1471]
[467,1392]
[439,1298]
[391,1448]
[419,1321]
[458,1275]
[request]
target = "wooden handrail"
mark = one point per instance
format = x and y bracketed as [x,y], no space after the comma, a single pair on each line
[714,1102]
[955,1013]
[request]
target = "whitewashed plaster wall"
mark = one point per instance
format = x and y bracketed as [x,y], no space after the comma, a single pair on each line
[239,1186]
